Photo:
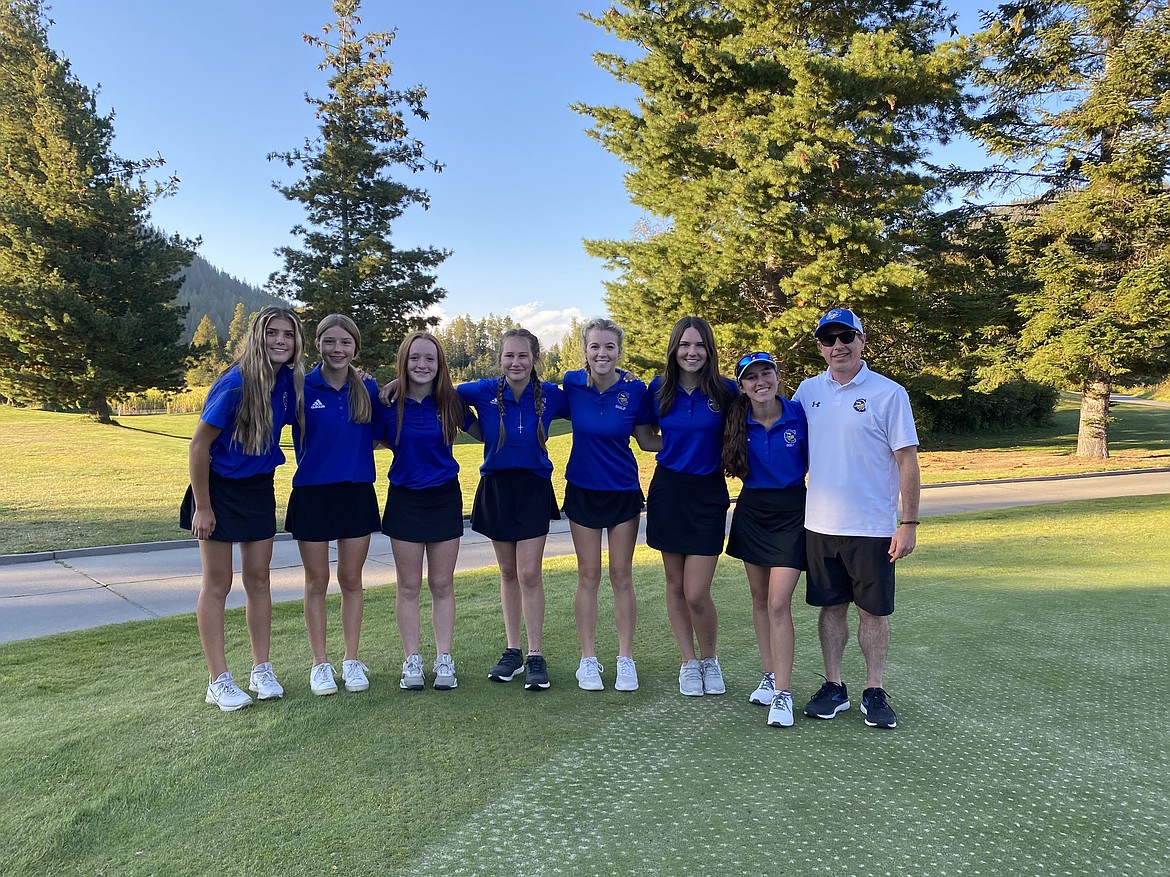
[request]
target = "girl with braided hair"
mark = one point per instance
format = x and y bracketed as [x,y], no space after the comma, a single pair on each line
[766,445]
[232,456]
[514,501]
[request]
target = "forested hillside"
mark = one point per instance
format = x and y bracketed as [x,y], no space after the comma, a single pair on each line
[210,291]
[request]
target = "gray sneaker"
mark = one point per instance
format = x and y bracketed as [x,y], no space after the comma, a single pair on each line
[765,691]
[225,694]
[444,668]
[412,673]
[712,677]
[690,679]
[263,681]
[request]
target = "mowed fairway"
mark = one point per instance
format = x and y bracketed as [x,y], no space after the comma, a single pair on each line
[1025,642]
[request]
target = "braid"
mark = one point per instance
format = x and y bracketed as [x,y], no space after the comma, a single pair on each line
[735,457]
[538,404]
[500,405]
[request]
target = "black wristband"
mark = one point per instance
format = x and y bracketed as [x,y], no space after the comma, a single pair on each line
[915,523]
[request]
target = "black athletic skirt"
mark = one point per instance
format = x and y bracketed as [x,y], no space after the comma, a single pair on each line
[432,514]
[767,527]
[245,508]
[324,512]
[601,509]
[686,514]
[513,505]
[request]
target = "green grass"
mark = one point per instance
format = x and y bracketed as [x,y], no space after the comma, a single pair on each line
[72,483]
[1021,643]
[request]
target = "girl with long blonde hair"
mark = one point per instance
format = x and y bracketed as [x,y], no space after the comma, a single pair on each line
[231,459]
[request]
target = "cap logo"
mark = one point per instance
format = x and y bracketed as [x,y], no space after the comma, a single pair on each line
[831,315]
[859,405]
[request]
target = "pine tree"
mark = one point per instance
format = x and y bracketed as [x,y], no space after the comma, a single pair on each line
[86,285]
[1078,108]
[241,320]
[206,360]
[347,263]
[780,153]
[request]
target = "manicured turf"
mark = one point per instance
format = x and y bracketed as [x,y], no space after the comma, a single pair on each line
[1025,642]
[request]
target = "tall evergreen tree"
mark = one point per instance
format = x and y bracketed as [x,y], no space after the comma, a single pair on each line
[1078,105]
[207,359]
[86,285]
[780,152]
[347,263]
[241,320]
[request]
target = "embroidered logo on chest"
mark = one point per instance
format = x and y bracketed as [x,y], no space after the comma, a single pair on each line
[317,404]
[859,405]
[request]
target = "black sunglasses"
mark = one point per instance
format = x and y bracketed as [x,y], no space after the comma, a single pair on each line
[830,339]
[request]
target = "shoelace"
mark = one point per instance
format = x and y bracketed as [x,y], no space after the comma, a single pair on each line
[592,663]
[768,683]
[321,674]
[265,677]
[444,666]
[781,698]
[413,666]
[357,668]
[626,667]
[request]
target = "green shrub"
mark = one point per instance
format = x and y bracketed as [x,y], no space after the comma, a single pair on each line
[1008,406]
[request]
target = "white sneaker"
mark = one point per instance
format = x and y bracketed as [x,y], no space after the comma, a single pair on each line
[225,694]
[780,713]
[764,691]
[712,676]
[627,675]
[690,679]
[263,681]
[321,681]
[444,670]
[412,673]
[354,675]
[589,675]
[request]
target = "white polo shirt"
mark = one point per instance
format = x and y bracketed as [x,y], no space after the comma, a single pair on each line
[853,431]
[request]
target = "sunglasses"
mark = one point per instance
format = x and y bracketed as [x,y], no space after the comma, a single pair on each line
[830,339]
[749,358]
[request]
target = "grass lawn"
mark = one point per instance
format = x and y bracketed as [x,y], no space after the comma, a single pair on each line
[1021,641]
[72,483]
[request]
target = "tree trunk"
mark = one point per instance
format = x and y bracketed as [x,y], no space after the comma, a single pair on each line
[99,410]
[1093,433]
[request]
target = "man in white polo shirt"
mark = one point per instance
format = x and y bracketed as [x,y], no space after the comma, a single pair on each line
[863,454]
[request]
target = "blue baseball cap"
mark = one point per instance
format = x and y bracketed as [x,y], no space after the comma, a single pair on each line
[840,317]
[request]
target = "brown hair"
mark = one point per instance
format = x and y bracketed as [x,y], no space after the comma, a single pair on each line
[452,410]
[359,398]
[534,379]
[710,381]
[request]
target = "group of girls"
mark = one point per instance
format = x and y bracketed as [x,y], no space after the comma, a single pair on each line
[699,423]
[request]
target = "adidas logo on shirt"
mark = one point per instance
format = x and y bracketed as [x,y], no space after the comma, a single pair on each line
[317,403]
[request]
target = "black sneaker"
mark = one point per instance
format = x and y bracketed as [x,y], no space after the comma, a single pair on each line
[536,673]
[876,710]
[507,667]
[830,699]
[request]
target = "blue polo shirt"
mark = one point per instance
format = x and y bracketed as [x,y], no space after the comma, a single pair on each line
[228,459]
[777,457]
[692,430]
[422,457]
[521,448]
[603,422]
[333,449]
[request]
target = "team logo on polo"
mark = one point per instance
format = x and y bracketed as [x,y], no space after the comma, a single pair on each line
[790,437]
[317,403]
[858,404]
[713,405]
[623,400]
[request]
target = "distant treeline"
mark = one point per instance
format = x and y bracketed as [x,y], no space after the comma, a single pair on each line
[207,290]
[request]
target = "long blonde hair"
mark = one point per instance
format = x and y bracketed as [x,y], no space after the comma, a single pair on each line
[452,410]
[253,429]
[359,399]
[534,379]
[600,324]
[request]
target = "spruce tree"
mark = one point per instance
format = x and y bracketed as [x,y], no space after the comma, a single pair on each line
[86,285]
[779,151]
[346,262]
[1077,107]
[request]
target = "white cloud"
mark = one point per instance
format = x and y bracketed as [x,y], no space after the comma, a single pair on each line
[547,324]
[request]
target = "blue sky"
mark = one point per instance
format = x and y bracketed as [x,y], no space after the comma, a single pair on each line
[215,86]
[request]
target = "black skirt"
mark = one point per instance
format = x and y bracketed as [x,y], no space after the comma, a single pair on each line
[325,512]
[244,508]
[513,505]
[601,509]
[767,528]
[432,514]
[686,514]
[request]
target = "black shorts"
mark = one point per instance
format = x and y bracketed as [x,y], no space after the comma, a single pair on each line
[325,512]
[850,569]
[686,514]
[767,527]
[245,508]
[430,514]
[514,505]
[602,509]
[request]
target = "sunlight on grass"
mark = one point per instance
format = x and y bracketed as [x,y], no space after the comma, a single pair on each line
[1019,641]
